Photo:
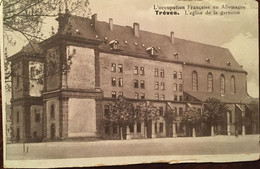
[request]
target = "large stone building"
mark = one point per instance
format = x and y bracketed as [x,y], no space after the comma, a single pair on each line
[88,63]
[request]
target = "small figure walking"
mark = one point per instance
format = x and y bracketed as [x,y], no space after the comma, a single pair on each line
[236,133]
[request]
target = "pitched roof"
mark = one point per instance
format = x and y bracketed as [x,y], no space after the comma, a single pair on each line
[32,48]
[226,98]
[189,52]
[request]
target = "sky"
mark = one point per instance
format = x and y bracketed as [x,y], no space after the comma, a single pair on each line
[238,33]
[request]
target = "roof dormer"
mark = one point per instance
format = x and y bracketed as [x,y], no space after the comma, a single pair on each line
[114,44]
[152,50]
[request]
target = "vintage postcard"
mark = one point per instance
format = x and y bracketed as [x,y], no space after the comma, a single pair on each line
[97,82]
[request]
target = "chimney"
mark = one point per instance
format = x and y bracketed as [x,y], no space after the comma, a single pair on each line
[110,24]
[172,37]
[94,21]
[136,29]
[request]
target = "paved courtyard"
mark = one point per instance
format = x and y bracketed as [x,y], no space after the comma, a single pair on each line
[159,146]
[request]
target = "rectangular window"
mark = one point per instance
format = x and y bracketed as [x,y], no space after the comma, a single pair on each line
[174,75]
[162,97]
[156,85]
[113,93]
[120,68]
[106,110]
[136,84]
[138,127]
[180,87]
[113,82]
[131,127]
[156,96]
[156,72]
[175,97]
[120,94]
[180,75]
[162,73]
[142,84]
[136,96]
[141,70]
[161,127]
[142,96]
[175,87]
[37,117]
[136,70]
[113,67]
[162,86]
[18,117]
[180,98]
[120,82]
[161,111]
[52,111]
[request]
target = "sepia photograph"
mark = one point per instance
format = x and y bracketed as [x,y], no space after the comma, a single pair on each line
[101,83]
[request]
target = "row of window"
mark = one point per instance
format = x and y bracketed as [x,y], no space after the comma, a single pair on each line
[136,84]
[113,94]
[136,70]
[175,87]
[142,96]
[142,84]
[113,68]
[120,82]
[162,86]
[175,97]
[141,71]
[210,83]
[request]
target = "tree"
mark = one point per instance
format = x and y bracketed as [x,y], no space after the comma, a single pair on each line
[147,113]
[191,117]
[27,17]
[213,113]
[121,113]
[252,117]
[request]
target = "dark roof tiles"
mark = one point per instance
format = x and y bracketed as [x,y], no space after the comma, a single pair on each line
[188,51]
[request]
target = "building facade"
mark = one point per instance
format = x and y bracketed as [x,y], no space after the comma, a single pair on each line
[26,101]
[89,63]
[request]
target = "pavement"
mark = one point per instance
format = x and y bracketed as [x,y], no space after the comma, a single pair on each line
[139,147]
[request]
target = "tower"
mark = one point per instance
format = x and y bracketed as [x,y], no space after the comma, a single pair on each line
[26,102]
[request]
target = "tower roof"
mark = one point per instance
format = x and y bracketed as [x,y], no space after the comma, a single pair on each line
[31,49]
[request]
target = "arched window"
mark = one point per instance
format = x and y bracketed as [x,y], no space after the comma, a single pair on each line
[194,81]
[232,84]
[210,82]
[222,83]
